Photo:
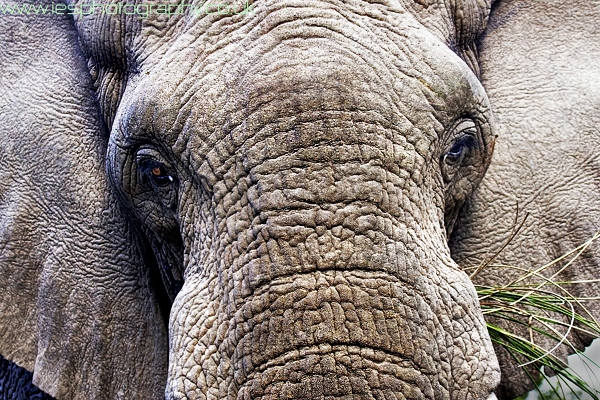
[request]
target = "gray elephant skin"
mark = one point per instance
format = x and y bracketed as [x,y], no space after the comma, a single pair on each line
[258,204]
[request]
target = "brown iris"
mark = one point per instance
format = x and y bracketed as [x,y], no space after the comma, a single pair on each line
[160,176]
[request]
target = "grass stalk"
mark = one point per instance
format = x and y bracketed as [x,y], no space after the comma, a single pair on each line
[540,303]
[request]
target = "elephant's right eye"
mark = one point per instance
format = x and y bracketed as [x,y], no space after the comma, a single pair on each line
[159,175]
[153,169]
[157,178]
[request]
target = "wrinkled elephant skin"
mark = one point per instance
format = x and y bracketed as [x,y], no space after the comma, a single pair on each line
[289,168]
[284,181]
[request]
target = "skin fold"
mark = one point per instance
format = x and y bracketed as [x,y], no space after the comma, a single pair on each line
[280,185]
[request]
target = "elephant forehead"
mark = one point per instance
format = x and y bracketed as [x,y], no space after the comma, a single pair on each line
[156,23]
[253,83]
[325,44]
[180,38]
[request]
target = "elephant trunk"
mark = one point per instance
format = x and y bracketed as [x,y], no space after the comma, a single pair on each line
[345,295]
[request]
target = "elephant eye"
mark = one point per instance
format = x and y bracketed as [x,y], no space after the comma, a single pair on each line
[462,148]
[152,170]
[159,176]
[458,151]
[156,173]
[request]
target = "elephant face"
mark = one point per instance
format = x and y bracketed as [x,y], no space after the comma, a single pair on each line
[296,170]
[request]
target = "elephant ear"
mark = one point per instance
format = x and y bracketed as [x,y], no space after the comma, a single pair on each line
[76,303]
[539,65]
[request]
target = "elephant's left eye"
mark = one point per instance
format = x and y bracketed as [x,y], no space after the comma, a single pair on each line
[459,150]
[156,177]
[462,150]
